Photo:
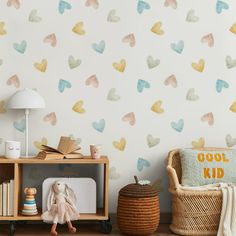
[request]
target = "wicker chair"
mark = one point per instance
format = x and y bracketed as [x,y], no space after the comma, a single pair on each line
[193,212]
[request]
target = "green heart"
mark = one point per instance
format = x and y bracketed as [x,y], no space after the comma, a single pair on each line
[73,63]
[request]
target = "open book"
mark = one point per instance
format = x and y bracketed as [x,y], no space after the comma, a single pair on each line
[67,148]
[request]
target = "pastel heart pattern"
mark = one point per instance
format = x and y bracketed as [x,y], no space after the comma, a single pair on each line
[152,63]
[151,141]
[142,84]
[130,39]
[112,95]
[78,107]
[178,126]
[191,17]
[230,141]
[156,28]
[199,66]
[171,80]
[73,63]
[233,28]
[230,63]
[33,16]
[191,95]
[63,5]
[120,145]
[92,81]
[92,3]
[220,6]
[129,117]
[63,84]
[99,47]
[14,3]
[233,107]
[2,107]
[171,3]
[113,174]
[156,107]
[199,144]
[41,66]
[209,118]
[209,39]
[120,66]
[78,28]
[99,126]
[78,140]
[51,39]
[14,80]
[20,47]
[2,30]
[20,125]
[141,163]
[178,47]
[112,17]
[38,144]
[142,5]
[220,84]
[51,118]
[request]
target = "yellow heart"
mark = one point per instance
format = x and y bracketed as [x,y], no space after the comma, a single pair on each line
[78,107]
[78,28]
[41,66]
[38,144]
[233,107]
[2,107]
[199,144]
[233,28]
[120,145]
[156,28]
[199,66]
[120,66]
[2,30]
[156,107]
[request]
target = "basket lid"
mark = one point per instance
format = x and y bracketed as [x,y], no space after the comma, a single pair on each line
[137,190]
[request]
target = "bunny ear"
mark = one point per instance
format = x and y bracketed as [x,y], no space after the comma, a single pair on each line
[71,194]
[51,197]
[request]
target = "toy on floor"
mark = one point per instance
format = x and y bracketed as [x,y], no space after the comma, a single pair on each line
[61,207]
[29,207]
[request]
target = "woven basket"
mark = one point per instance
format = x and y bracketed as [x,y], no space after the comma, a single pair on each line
[193,212]
[138,211]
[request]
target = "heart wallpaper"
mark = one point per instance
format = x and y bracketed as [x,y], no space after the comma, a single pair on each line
[139,77]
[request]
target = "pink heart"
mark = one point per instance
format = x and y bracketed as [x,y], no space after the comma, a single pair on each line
[172,3]
[209,39]
[130,38]
[130,117]
[209,118]
[14,80]
[171,80]
[52,39]
[15,3]
[93,3]
[51,117]
[92,80]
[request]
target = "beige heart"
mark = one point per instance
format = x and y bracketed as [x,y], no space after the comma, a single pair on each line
[51,118]
[171,80]
[14,80]
[130,117]
[209,118]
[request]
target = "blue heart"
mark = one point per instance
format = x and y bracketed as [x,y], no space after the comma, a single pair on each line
[20,47]
[20,125]
[178,47]
[220,84]
[63,84]
[178,126]
[142,163]
[220,5]
[100,125]
[142,84]
[63,5]
[142,6]
[99,47]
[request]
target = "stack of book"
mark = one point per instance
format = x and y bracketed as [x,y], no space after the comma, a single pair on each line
[7,198]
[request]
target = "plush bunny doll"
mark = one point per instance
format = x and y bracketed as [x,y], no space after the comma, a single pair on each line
[61,207]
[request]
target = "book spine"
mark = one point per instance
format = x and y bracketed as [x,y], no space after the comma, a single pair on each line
[11,205]
[4,199]
[0,199]
[8,198]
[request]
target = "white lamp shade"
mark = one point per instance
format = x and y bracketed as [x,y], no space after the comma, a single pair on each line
[25,99]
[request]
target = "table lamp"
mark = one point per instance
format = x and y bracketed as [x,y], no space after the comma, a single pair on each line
[26,99]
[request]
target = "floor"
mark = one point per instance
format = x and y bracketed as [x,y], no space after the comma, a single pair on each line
[83,229]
